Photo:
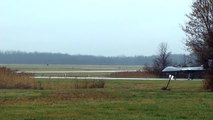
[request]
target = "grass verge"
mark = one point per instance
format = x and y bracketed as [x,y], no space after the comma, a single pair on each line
[118,100]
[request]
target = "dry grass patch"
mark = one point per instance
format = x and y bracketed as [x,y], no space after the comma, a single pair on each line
[132,75]
[69,84]
[10,79]
[84,84]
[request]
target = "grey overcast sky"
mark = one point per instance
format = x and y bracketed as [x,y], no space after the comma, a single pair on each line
[93,27]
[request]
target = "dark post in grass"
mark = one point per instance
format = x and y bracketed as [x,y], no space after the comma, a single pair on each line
[166,88]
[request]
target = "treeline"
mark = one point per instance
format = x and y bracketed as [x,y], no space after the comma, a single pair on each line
[17,57]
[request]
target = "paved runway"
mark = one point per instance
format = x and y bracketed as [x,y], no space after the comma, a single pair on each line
[107,78]
[80,71]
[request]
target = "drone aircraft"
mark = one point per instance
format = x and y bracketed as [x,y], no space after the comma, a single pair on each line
[189,70]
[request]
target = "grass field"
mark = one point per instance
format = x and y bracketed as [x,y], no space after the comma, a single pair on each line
[64,68]
[119,100]
[52,67]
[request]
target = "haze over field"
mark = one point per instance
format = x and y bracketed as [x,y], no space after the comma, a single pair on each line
[94,27]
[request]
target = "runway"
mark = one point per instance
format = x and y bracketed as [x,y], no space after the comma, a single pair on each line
[108,78]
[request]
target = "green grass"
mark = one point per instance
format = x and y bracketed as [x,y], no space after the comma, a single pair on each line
[119,100]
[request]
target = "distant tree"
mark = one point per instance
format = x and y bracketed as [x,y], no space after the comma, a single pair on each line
[199,31]
[188,60]
[162,59]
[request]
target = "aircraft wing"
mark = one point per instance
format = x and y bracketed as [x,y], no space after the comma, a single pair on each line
[171,69]
[192,69]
